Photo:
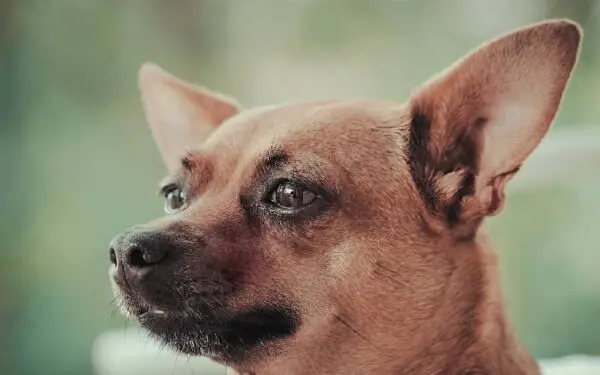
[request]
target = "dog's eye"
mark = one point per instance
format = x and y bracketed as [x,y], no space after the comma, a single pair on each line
[292,196]
[175,199]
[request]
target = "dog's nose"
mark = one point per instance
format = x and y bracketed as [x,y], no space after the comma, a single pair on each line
[137,251]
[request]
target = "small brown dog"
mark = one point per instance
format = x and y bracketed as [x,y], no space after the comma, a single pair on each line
[343,237]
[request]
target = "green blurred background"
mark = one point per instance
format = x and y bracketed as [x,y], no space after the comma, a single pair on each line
[79,165]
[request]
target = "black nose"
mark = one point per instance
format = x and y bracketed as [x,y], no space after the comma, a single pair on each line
[135,251]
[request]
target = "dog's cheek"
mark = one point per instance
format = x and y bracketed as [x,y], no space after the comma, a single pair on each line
[233,267]
[267,273]
[310,239]
[300,266]
[271,264]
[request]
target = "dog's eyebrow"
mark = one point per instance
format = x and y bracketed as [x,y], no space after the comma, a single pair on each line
[190,164]
[187,163]
[275,158]
[196,162]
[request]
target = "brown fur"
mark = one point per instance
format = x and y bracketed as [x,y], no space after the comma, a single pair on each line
[394,274]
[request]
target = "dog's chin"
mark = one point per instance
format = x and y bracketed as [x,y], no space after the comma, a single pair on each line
[226,338]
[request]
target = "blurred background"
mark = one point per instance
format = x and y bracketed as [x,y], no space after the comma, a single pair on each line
[79,165]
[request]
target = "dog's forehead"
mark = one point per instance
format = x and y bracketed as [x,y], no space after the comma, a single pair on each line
[291,125]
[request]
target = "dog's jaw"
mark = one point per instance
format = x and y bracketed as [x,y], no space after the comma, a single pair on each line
[229,340]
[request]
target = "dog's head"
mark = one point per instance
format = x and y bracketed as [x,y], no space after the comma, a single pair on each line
[300,227]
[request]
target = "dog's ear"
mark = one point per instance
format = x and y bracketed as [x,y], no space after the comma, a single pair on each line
[180,115]
[474,125]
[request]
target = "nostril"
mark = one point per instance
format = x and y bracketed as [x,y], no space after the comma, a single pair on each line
[112,256]
[136,258]
[141,258]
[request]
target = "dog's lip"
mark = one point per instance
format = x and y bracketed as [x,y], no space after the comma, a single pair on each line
[145,312]
[148,313]
[137,306]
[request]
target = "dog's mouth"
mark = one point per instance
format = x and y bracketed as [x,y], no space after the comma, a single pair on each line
[225,337]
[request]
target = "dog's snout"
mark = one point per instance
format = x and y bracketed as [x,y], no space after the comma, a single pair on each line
[136,251]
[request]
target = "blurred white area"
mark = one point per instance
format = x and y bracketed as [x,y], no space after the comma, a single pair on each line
[571,365]
[133,353]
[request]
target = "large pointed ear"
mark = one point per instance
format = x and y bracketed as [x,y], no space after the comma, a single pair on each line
[180,115]
[475,124]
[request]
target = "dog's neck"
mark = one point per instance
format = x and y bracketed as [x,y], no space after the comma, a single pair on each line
[468,335]
[475,337]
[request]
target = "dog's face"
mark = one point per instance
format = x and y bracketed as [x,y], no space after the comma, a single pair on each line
[299,227]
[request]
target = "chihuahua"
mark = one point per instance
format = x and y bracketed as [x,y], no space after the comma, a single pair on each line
[343,237]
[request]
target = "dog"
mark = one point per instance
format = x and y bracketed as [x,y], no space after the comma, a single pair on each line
[343,237]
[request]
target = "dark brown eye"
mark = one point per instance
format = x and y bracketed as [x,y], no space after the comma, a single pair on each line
[175,200]
[292,196]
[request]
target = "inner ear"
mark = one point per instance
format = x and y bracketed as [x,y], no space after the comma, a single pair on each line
[444,167]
